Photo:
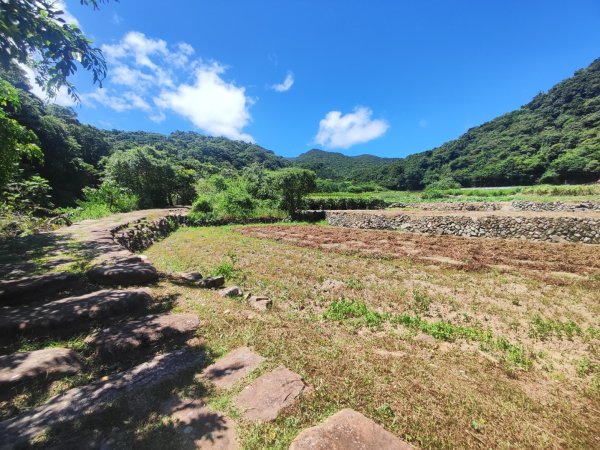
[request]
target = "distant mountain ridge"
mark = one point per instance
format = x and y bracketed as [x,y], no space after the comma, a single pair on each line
[337,166]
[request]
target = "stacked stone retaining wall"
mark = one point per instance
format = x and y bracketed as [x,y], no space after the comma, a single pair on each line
[553,229]
[555,206]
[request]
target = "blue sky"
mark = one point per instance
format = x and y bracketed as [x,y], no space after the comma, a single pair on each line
[389,78]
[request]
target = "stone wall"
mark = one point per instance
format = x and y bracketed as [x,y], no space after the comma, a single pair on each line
[141,234]
[555,206]
[552,229]
[450,206]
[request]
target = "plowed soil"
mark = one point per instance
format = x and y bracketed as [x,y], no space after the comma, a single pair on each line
[467,253]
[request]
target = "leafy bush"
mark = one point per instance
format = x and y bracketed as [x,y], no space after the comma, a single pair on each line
[443,184]
[343,203]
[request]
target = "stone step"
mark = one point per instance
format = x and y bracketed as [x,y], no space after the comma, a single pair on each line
[125,337]
[263,400]
[348,430]
[97,396]
[70,314]
[200,427]
[27,368]
[23,290]
[232,367]
[123,274]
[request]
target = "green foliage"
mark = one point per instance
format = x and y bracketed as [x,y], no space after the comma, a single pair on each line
[291,186]
[442,184]
[152,175]
[342,203]
[543,329]
[351,309]
[553,139]
[34,32]
[16,141]
[339,167]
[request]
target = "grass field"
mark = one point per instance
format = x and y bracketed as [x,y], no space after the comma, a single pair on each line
[541,193]
[443,355]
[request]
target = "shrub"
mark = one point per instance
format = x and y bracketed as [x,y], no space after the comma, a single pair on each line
[343,203]
[443,184]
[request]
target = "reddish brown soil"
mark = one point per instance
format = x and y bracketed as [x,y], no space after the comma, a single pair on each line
[467,253]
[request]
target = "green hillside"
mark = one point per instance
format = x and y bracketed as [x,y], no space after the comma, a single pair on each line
[555,138]
[336,166]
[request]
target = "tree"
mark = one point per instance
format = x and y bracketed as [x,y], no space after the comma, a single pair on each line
[292,185]
[33,32]
[16,140]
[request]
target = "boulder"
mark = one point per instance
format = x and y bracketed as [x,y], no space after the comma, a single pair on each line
[49,364]
[71,313]
[16,292]
[125,274]
[348,430]
[263,400]
[133,335]
[211,282]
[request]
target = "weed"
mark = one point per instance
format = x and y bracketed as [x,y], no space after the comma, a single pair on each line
[350,309]
[543,329]
[421,300]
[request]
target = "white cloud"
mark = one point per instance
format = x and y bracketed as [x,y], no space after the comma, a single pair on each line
[153,76]
[212,104]
[62,97]
[67,16]
[122,102]
[344,131]
[286,85]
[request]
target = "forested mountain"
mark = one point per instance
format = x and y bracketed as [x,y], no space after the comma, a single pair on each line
[217,151]
[555,138]
[74,153]
[337,166]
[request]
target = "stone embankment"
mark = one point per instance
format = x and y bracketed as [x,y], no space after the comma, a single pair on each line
[552,228]
[555,206]
[142,233]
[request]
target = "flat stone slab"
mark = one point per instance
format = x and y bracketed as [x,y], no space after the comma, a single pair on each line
[71,313]
[95,397]
[16,292]
[149,330]
[232,367]
[199,426]
[263,400]
[123,274]
[40,365]
[348,430]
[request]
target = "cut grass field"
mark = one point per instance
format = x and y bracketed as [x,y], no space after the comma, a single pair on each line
[443,355]
[541,193]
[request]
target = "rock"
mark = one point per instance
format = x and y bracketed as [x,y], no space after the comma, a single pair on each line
[97,396]
[40,365]
[16,292]
[136,334]
[348,430]
[211,282]
[232,367]
[233,291]
[199,426]
[269,394]
[260,303]
[125,274]
[72,313]
[191,276]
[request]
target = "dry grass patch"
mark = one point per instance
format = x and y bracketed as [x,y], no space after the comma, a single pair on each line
[460,387]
